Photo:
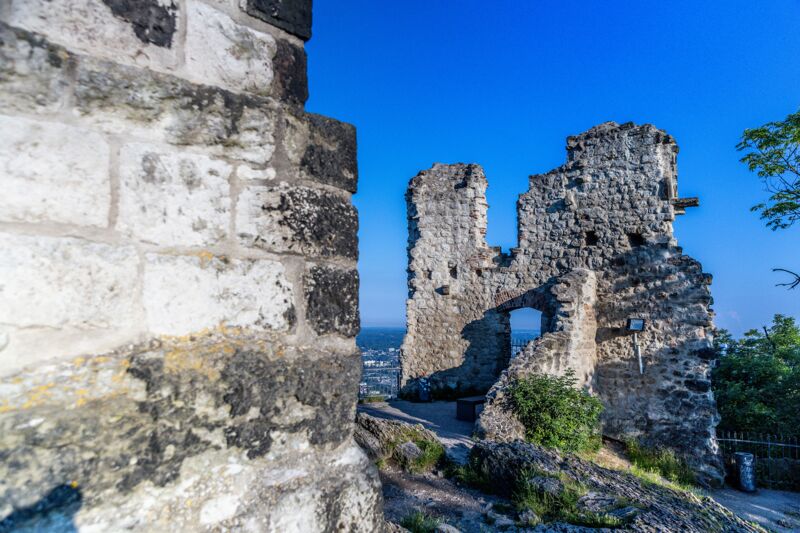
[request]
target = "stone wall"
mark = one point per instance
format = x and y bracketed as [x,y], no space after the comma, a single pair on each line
[178,284]
[609,211]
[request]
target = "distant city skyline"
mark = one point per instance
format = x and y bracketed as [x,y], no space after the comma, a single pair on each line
[504,85]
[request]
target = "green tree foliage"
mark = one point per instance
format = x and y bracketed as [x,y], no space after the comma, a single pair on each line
[556,413]
[757,381]
[773,151]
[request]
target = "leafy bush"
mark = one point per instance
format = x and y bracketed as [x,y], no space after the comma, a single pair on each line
[662,462]
[419,522]
[556,413]
[757,380]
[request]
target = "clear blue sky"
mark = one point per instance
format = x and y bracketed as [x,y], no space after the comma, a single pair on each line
[504,82]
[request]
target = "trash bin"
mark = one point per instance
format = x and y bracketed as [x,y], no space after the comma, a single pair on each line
[424,390]
[745,471]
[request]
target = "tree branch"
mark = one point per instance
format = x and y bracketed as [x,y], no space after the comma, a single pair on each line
[791,284]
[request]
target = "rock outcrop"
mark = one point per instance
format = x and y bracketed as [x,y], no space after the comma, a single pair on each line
[647,506]
[383,439]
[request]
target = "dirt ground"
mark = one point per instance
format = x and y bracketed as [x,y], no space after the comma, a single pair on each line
[463,508]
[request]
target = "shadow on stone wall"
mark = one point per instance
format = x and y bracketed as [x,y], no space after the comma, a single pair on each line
[54,512]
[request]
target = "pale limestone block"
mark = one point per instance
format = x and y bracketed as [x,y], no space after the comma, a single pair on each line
[245,172]
[221,52]
[183,294]
[173,198]
[134,33]
[62,297]
[53,173]
[65,282]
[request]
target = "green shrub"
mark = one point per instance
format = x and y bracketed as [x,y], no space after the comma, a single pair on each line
[757,380]
[419,522]
[662,462]
[556,413]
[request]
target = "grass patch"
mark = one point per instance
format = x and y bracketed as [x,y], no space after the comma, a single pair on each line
[559,505]
[433,453]
[661,462]
[419,522]
[470,476]
[376,398]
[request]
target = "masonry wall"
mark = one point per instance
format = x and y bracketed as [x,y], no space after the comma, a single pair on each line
[178,284]
[608,210]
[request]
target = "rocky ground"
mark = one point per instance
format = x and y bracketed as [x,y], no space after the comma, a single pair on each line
[607,491]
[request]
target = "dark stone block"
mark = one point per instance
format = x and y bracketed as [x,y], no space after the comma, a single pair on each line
[698,385]
[293,16]
[332,296]
[291,79]
[254,382]
[152,23]
[320,223]
[330,157]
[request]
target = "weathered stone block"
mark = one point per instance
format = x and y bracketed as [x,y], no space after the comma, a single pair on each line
[233,424]
[173,198]
[332,299]
[322,148]
[33,73]
[330,155]
[64,282]
[221,52]
[293,16]
[184,294]
[134,32]
[297,219]
[53,172]
[159,107]
[291,79]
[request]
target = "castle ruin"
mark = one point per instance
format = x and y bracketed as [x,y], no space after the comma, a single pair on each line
[178,284]
[595,248]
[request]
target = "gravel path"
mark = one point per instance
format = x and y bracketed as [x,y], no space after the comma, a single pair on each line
[775,510]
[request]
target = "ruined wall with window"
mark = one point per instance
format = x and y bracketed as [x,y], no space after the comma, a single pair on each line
[178,285]
[607,212]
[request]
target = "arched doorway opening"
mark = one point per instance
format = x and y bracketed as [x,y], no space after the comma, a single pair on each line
[526,325]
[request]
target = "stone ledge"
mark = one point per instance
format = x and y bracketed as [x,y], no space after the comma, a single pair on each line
[293,16]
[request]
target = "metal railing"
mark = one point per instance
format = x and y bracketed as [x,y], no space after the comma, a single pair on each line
[777,456]
[379,381]
[517,345]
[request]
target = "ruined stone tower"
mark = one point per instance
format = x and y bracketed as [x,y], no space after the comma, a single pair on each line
[596,247]
[178,285]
